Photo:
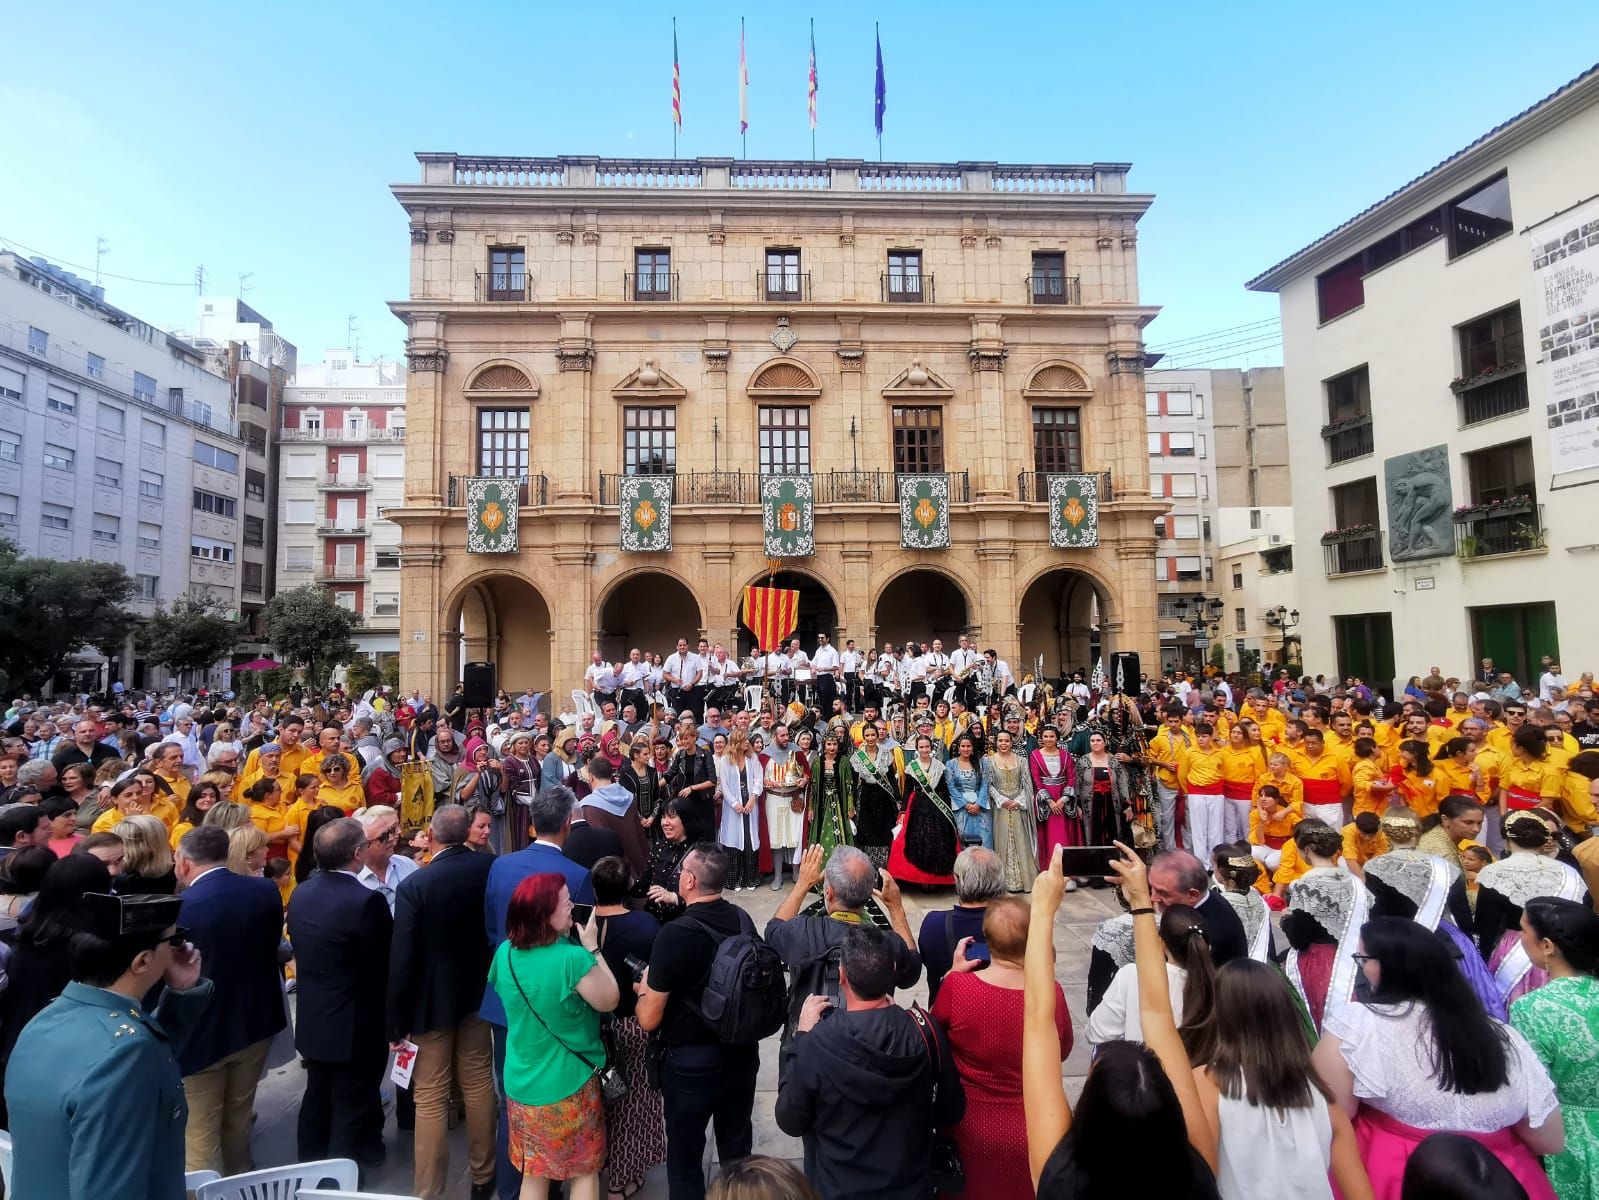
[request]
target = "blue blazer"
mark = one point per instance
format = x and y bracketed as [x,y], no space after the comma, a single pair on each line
[508,871]
[236,922]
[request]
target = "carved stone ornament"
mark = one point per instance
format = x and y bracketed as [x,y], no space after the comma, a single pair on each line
[1124,364]
[418,234]
[987,358]
[783,337]
[716,237]
[850,359]
[444,235]
[575,358]
[917,382]
[992,241]
[591,237]
[649,382]
[427,360]
[846,239]
[564,237]
[968,241]
[1420,505]
[716,358]
[1104,240]
[1129,241]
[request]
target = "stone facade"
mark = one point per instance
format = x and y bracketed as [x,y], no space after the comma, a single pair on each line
[525,302]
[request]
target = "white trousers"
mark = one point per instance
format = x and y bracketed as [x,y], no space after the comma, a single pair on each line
[1207,825]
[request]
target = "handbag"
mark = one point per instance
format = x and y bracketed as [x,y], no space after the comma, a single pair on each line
[947,1171]
[613,1087]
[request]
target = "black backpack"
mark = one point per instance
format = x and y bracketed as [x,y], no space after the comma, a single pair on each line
[746,996]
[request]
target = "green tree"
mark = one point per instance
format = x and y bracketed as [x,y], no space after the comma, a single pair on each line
[188,636]
[307,629]
[1218,656]
[361,675]
[49,609]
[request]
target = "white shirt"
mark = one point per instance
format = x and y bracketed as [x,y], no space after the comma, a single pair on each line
[914,667]
[595,673]
[888,669]
[1002,676]
[1547,682]
[936,664]
[686,668]
[720,670]
[399,867]
[851,661]
[635,674]
[826,658]
[1115,1018]
[962,658]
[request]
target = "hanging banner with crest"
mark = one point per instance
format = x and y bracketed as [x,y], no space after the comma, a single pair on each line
[1073,511]
[923,511]
[788,507]
[646,507]
[491,513]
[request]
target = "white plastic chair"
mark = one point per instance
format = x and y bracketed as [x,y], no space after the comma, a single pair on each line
[333,1194]
[582,702]
[5,1160]
[752,697]
[193,1179]
[283,1183]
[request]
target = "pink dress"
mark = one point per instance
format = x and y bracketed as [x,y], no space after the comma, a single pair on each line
[1057,829]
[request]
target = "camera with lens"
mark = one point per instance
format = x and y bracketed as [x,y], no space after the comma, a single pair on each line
[636,965]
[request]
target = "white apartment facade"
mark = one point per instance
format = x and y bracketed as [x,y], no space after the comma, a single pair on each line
[341,464]
[117,444]
[1432,524]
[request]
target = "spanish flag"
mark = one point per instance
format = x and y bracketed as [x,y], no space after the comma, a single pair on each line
[770,614]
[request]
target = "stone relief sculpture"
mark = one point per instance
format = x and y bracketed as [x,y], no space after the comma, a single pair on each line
[1419,505]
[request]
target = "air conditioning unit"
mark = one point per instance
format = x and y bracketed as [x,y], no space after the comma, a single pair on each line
[1276,539]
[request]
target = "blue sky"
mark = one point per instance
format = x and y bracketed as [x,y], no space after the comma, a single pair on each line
[262,138]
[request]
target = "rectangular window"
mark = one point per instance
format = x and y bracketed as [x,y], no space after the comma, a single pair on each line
[904,279]
[210,502]
[299,512]
[208,455]
[507,273]
[60,457]
[108,472]
[143,388]
[345,600]
[1185,525]
[1349,395]
[1049,278]
[387,464]
[254,573]
[209,548]
[1240,621]
[38,340]
[1180,445]
[254,485]
[10,384]
[1491,342]
[1341,289]
[107,528]
[299,466]
[652,274]
[297,558]
[154,434]
[1057,441]
[10,446]
[1190,568]
[502,441]
[96,366]
[1501,473]
[1254,518]
[918,439]
[1238,576]
[311,421]
[386,604]
[1182,485]
[1156,446]
[59,399]
[397,419]
[1480,216]
[254,531]
[8,512]
[1355,503]
[149,536]
[782,279]
[1180,404]
[151,485]
[785,439]
[149,587]
[110,419]
[54,516]
[1152,404]
[649,441]
[387,560]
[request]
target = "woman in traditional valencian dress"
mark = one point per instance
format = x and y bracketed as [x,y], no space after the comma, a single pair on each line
[1014,824]
[830,818]
[968,794]
[1054,795]
[1103,792]
[924,852]
[1503,890]
[876,796]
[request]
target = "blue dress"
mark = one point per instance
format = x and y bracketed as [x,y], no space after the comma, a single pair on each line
[970,786]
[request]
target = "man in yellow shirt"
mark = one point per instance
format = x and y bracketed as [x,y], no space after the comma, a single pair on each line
[1500,736]
[268,765]
[1363,839]
[1199,773]
[291,753]
[1339,736]
[327,745]
[1579,798]
[1293,743]
[1489,762]
[1326,779]
[168,766]
[1165,750]
[1271,720]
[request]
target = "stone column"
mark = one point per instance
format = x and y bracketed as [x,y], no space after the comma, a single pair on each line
[855,617]
[987,355]
[571,603]
[424,410]
[998,603]
[574,358]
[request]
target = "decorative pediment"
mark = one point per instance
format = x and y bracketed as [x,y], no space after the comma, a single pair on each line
[916,382]
[784,377]
[502,379]
[649,382]
[1057,378]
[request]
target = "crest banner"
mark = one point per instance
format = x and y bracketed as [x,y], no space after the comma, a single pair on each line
[492,507]
[923,511]
[646,512]
[788,507]
[1073,511]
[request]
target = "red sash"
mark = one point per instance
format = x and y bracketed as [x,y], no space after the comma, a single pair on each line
[1322,791]
[1237,791]
[1205,789]
[1521,798]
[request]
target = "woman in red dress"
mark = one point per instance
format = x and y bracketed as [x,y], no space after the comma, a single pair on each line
[982,1013]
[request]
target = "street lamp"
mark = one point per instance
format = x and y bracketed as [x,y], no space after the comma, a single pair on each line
[1200,615]
[1283,619]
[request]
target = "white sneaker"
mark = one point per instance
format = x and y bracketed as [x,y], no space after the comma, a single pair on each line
[1071,885]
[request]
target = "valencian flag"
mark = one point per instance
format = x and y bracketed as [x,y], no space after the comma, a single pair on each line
[646,508]
[1073,511]
[924,512]
[491,512]
[789,515]
[743,83]
[771,614]
[677,82]
[811,86]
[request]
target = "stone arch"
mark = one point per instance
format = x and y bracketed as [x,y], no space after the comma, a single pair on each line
[783,376]
[923,601]
[1057,378]
[648,607]
[818,605]
[501,378]
[504,618]
[1062,616]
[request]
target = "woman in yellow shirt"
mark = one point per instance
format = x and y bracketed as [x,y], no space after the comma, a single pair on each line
[127,800]
[1271,825]
[1452,764]
[306,790]
[1419,784]
[1369,778]
[1529,779]
[1279,774]
[338,789]
[203,796]
[269,814]
[1241,765]
[159,802]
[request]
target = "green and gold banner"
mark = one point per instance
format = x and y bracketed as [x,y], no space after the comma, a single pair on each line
[1073,511]
[491,512]
[923,511]
[788,507]
[646,511]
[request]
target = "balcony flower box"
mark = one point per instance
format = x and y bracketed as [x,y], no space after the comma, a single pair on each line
[1350,533]
[1494,508]
[1467,382]
[1355,422]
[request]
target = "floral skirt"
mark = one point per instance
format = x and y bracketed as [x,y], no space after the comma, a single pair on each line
[564,1140]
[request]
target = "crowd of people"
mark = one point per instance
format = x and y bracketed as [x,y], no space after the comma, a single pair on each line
[1357,952]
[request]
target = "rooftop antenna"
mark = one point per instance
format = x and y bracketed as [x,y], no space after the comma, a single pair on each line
[101,249]
[244,282]
[199,280]
[352,340]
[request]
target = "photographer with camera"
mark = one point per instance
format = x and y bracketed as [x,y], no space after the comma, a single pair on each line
[634,1127]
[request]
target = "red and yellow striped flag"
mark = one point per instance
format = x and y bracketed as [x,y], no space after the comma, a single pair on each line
[677,82]
[770,614]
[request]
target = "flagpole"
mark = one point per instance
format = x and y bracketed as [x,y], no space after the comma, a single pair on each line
[877,33]
[811,84]
[743,95]
[675,86]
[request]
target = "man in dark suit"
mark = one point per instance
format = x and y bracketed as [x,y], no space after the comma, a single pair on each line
[1177,877]
[236,922]
[341,931]
[440,958]
[551,818]
[586,844]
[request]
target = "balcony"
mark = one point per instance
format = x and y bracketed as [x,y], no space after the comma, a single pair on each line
[907,289]
[1032,487]
[355,528]
[882,487]
[783,285]
[831,487]
[1351,551]
[368,434]
[344,481]
[337,572]
[1054,289]
[1348,438]
[1490,394]
[502,285]
[1513,526]
[696,487]
[535,491]
[650,286]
